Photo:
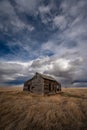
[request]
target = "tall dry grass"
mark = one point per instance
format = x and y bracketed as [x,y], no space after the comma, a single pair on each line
[23,111]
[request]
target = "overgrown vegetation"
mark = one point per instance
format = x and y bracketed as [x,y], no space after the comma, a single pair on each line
[23,111]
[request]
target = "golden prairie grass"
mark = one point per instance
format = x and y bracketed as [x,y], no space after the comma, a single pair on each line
[23,111]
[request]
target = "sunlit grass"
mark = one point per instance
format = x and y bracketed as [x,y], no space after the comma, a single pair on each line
[23,111]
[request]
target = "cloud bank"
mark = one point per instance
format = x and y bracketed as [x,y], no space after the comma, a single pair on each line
[47,36]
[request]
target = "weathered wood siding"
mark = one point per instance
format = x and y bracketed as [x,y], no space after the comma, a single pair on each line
[26,85]
[37,84]
[50,86]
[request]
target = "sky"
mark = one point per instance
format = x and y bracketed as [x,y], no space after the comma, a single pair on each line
[45,36]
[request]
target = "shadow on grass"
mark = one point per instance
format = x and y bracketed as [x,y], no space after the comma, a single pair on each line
[66,94]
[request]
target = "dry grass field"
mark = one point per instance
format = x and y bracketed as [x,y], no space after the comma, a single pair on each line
[23,111]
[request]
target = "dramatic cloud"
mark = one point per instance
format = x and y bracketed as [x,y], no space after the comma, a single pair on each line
[47,36]
[60,22]
[28,6]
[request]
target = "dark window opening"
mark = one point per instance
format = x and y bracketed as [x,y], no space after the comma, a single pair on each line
[28,87]
[49,86]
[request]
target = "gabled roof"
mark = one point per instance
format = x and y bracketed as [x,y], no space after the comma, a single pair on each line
[46,77]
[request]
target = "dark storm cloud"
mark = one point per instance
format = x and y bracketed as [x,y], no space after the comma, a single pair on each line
[48,36]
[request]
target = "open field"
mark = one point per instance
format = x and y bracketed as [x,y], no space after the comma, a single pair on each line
[23,111]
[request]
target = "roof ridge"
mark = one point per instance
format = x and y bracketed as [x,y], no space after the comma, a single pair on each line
[47,77]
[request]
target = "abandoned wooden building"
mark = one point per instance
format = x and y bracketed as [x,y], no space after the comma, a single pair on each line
[42,84]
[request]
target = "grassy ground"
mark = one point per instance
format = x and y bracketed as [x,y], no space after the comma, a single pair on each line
[21,111]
